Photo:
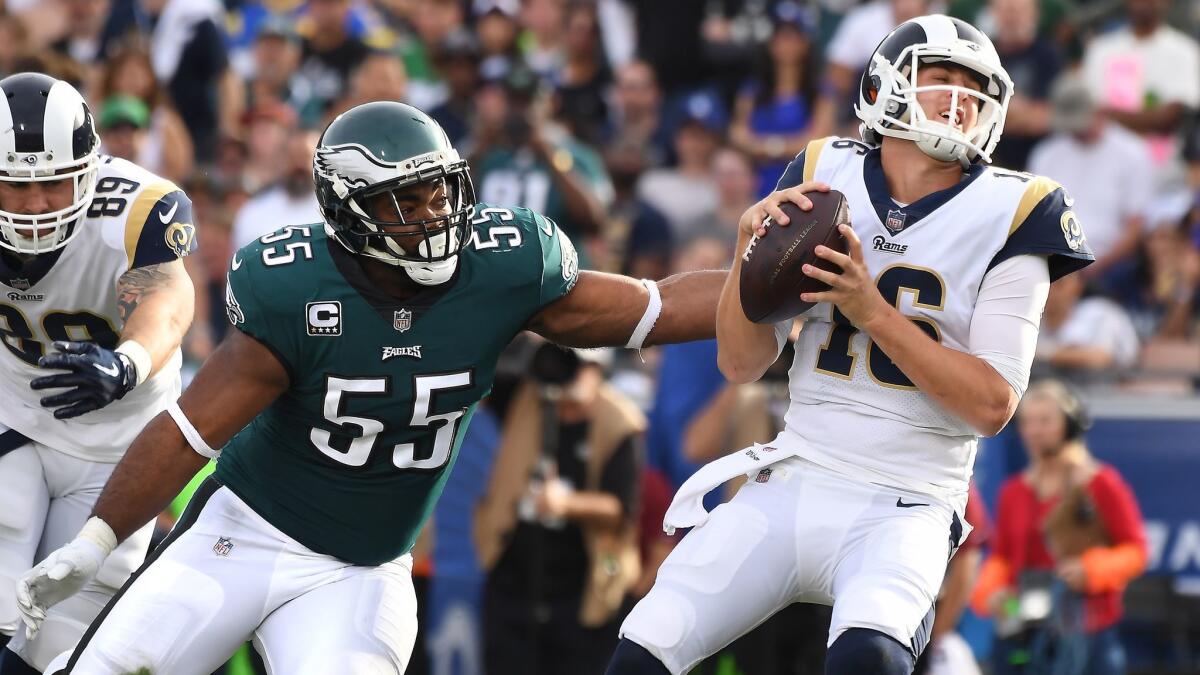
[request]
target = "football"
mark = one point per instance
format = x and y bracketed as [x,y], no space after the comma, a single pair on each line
[772,276]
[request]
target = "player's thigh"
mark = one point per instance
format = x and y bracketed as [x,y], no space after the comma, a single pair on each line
[889,575]
[190,606]
[24,499]
[63,626]
[364,623]
[723,579]
[75,485]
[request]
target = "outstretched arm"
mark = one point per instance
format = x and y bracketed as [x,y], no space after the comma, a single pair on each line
[602,310]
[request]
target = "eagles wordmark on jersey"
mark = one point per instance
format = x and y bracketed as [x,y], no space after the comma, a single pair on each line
[351,460]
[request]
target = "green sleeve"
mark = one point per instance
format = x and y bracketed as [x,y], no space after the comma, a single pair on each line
[256,301]
[560,262]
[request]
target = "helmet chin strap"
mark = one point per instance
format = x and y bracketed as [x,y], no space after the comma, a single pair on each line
[431,274]
[940,147]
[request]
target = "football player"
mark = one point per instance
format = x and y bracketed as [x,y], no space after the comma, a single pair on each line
[363,345]
[922,344]
[93,306]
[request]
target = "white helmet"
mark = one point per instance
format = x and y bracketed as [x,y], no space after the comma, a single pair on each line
[46,134]
[887,98]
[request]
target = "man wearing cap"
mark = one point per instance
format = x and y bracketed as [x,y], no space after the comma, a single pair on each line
[1106,167]
[123,120]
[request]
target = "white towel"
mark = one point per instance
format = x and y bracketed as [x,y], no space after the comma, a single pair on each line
[687,508]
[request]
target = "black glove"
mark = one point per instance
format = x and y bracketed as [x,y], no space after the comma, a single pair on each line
[97,377]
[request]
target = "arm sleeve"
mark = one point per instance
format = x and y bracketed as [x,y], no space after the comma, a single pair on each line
[162,227]
[560,262]
[1004,326]
[259,319]
[1045,225]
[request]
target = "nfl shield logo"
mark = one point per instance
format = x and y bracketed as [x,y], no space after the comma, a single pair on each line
[402,320]
[223,546]
[20,284]
[763,476]
[895,221]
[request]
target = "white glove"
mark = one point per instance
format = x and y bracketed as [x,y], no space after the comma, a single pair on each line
[63,573]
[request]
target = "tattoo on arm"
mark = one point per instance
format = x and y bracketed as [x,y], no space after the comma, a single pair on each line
[136,284]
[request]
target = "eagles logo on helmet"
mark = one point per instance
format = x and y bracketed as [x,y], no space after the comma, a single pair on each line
[382,147]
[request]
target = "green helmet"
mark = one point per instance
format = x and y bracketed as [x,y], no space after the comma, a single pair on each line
[378,148]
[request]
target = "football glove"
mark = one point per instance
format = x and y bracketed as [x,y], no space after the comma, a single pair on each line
[96,377]
[63,573]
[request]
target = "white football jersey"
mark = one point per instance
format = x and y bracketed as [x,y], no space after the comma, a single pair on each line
[136,219]
[852,410]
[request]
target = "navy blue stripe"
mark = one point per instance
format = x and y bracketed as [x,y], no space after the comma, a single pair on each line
[881,197]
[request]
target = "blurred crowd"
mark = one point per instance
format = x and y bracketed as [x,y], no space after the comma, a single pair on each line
[645,128]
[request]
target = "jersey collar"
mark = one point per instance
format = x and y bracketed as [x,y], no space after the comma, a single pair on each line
[897,218]
[385,305]
[22,277]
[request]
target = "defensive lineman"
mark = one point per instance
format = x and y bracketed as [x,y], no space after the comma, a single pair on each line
[95,302]
[923,344]
[362,348]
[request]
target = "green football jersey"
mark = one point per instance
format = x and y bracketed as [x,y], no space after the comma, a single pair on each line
[351,459]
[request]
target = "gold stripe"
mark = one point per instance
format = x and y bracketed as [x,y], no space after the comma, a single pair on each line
[140,210]
[812,153]
[1035,192]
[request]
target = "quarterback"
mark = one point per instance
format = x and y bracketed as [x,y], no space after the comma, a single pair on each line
[922,344]
[94,303]
[363,345]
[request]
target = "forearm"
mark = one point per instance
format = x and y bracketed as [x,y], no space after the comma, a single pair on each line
[1111,568]
[688,311]
[153,471]
[159,325]
[581,205]
[962,384]
[744,349]
[1078,356]
[594,508]
[705,434]
[1161,120]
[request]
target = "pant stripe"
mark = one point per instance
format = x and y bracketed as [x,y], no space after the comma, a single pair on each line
[190,515]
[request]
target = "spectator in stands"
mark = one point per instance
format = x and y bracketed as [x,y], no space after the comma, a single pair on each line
[187,50]
[542,43]
[772,118]
[329,56]
[1075,521]
[637,237]
[1033,62]
[557,528]
[497,28]
[288,201]
[380,77]
[123,122]
[584,78]
[14,43]
[1092,334]
[686,192]
[168,150]
[276,60]
[432,23]
[269,126]
[863,28]
[1146,76]
[1105,168]
[521,157]
[1161,296]
[636,115]
[670,40]
[737,187]
[457,63]
[85,26]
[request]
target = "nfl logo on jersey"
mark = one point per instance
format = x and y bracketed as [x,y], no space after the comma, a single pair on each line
[223,546]
[402,320]
[895,221]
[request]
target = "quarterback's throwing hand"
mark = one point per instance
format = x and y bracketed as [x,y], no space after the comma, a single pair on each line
[55,579]
[96,377]
[753,219]
[853,291]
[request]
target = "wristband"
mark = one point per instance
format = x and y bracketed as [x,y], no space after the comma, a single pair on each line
[142,363]
[99,533]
